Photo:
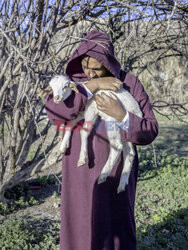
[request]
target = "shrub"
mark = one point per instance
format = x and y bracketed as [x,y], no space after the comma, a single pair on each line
[16,234]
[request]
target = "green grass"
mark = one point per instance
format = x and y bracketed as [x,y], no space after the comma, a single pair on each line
[162,191]
[27,233]
[161,200]
[16,234]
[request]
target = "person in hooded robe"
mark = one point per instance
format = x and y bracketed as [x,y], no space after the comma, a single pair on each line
[94,216]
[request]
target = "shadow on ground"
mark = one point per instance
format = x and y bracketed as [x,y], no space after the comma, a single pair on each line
[173,137]
[38,194]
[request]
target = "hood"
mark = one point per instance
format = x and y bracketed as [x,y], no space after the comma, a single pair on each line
[97,45]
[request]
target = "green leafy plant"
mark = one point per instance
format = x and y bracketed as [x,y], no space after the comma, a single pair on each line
[161,214]
[19,196]
[16,234]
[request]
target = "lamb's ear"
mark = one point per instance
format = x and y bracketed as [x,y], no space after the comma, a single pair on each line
[73,86]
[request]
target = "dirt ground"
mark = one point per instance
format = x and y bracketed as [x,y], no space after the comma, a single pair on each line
[48,197]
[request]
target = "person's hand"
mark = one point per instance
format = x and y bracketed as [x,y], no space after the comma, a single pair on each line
[109,83]
[104,83]
[110,105]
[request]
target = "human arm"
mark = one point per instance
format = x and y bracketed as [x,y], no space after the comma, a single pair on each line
[70,108]
[140,131]
[104,83]
[103,101]
[67,110]
[110,106]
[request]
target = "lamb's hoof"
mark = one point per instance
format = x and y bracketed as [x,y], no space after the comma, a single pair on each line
[120,189]
[62,149]
[102,178]
[81,163]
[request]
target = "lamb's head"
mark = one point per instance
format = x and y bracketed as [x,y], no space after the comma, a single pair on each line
[61,87]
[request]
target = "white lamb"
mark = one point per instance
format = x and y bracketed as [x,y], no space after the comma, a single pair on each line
[62,88]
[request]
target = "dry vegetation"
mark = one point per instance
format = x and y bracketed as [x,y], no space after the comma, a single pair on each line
[143,33]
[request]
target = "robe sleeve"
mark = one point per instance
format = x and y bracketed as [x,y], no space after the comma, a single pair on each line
[141,131]
[67,110]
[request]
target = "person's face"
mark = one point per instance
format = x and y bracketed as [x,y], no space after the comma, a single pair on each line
[92,68]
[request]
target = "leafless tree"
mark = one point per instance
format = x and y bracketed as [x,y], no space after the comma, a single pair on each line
[151,41]
[26,65]
[36,40]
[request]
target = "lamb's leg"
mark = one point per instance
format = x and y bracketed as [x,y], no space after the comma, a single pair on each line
[115,151]
[90,118]
[66,138]
[128,155]
[65,142]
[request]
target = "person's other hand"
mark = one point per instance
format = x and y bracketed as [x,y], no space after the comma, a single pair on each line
[110,105]
[104,83]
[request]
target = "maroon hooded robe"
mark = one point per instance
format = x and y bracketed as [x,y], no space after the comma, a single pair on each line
[94,216]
